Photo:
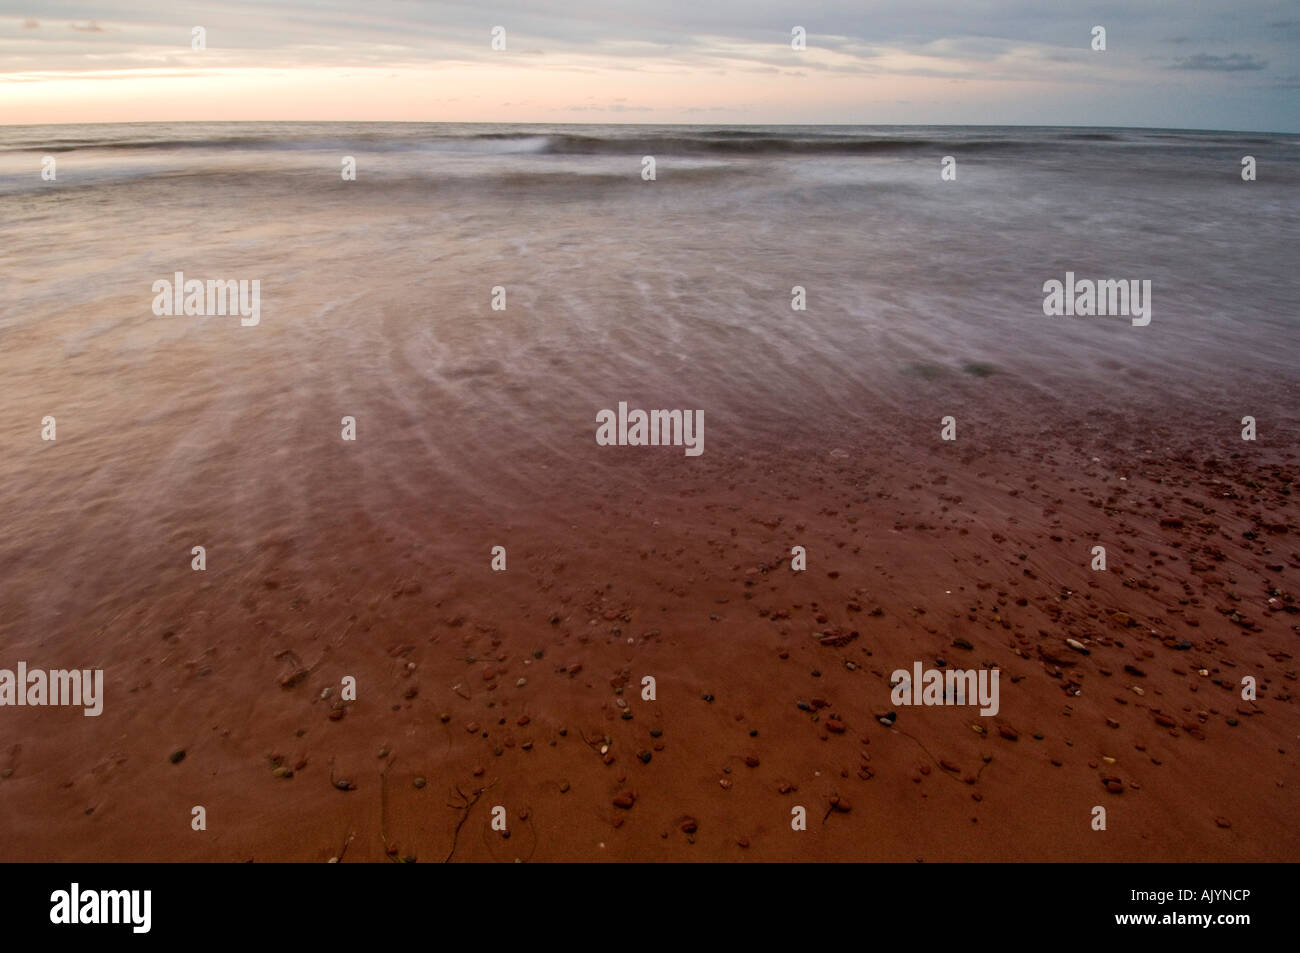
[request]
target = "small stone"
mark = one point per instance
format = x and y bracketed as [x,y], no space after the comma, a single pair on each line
[281,772]
[835,725]
[419,783]
[645,757]
[656,733]
[1006,731]
[177,756]
[343,785]
[841,804]
[625,800]
[564,787]
[690,825]
[1223,822]
[1165,721]
[751,761]
[383,752]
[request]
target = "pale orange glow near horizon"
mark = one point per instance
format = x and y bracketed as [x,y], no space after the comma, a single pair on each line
[474,92]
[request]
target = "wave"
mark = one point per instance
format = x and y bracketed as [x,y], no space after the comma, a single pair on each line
[613,140]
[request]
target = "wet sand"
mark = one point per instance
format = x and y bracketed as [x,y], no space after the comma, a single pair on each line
[633,562]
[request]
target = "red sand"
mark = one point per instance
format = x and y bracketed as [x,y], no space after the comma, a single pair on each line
[632,562]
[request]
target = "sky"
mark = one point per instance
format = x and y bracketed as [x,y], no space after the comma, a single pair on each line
[1196,64]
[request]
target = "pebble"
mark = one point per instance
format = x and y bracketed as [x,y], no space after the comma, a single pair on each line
[690,825]
[177,756]
[564,787]
[645,757]
[1165,721]
[343,784]
[521,683]
[751,761]
[625,800]
[1223,822]
[835,725]
[840,804]
[1006,731]
[419,783]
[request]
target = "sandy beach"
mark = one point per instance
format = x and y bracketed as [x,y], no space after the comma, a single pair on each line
[523,688]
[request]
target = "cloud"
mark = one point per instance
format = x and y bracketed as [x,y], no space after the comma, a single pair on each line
[1232,63]
[30,24]
[91,27]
